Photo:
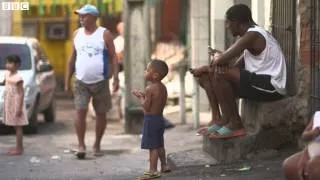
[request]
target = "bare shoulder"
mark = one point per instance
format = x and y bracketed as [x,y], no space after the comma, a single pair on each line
[251,36]
[162,89]
[107,34]
[151,87]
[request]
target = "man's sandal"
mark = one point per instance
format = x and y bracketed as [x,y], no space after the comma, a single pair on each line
[149,175]
[226,133]
[213,128]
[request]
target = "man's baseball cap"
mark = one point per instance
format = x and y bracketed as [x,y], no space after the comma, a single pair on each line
[87,9]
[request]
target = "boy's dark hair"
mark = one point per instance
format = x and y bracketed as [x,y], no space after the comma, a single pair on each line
[240,13]
[160,67]
[13,59]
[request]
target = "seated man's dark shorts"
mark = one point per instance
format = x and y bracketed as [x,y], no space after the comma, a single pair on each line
[153,130]
[257,87]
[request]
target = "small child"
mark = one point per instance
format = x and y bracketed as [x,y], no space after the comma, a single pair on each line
[153,102]
[311,135]
[14,107]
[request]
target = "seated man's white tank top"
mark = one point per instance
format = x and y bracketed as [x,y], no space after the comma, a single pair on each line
[269,62]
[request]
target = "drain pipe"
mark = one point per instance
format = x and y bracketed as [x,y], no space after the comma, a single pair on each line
[182,95]
[196,104]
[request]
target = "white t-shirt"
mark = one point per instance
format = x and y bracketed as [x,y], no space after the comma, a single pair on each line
[316,120]
[316,123]
[92,58]
[270,61]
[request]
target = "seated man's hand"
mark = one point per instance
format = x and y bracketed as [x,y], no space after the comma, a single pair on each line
[214,57]
[212,51]
[199,71]
[221,69]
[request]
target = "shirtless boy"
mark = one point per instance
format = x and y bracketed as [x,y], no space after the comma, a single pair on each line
[153,101]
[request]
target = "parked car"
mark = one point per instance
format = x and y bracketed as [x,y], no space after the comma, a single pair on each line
[38,76]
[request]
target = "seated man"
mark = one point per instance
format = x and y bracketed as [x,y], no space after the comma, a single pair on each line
[263,77]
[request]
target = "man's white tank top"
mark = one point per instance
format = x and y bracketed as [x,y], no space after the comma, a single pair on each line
[91,60]
[271,61]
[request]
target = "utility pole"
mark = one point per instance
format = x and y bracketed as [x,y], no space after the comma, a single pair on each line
[137,55]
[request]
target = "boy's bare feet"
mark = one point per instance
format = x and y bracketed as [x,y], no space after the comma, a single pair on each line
[15,152]
[97,150]
[12,149]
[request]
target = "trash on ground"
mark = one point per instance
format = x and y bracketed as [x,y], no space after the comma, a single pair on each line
[34,160]
[245,168]
[55,157]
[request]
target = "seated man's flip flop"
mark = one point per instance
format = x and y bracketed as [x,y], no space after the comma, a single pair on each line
[226,133]
[149,175]
[211,129]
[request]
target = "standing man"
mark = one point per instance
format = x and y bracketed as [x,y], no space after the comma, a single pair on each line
[93,48]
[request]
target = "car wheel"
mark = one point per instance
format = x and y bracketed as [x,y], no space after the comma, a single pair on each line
[32,128]
[50,112]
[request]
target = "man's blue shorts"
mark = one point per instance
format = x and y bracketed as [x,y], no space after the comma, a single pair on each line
[153,130]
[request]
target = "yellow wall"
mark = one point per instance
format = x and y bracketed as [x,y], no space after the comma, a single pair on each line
[16,23]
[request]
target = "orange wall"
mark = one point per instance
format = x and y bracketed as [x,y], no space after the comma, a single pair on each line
[170,19]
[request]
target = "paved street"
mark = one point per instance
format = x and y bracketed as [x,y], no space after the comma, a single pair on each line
[47,156]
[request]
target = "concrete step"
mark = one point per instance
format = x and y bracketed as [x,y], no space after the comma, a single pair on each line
[228,150]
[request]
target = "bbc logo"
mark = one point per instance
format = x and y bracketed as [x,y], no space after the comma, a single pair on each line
[15,6]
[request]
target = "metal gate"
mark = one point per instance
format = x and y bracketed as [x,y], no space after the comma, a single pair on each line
[284,30]
[315,55]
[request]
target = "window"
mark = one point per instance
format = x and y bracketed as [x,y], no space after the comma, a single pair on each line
[21,50]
